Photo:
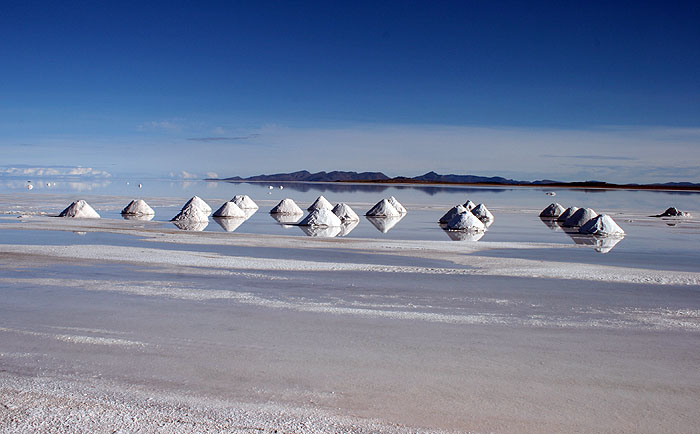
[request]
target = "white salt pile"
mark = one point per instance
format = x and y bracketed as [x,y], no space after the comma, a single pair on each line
[229,210]
[287,206]
[400,208]
[79,209]
[196,201]
[320,203]
[383,208]
[469,205]
[449,215]
[602,225]
[345,213]
[673,212]
[553,210]
[191,213]
[482,213]
[567,213]
[138,207]
[466,222]
[244,202]
[580,217]
[321,217]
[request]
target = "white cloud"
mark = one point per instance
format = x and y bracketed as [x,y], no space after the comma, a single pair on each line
[55,171]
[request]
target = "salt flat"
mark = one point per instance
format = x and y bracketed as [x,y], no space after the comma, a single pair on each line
[120,325]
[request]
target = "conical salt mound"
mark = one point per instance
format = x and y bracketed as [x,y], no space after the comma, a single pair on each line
[199,203]
[287,206]
[244,202]
[553,210]
[466,222]
[567,213]
[320,203]
[229,210]
[191,213]
[345,213]
[602,225]
[469,205]
[482,213]
[449,215]
[580,217]
[400,208]
[383,208]
[81,210]
[138,207]
[673,212]
[321,217]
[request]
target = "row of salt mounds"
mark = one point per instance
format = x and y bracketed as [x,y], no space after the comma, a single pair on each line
[79,209]
[345,213]
[479,211]
[387,208]
[138,207]
[602,225]
[244,202]
[566,214]
[320,203]
[287,206]
[230,210]
[321,217]
[554,210]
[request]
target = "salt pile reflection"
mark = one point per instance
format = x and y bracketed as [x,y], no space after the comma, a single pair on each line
[384,224]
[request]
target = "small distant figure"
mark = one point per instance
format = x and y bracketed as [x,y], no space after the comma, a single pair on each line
[270,187]
[281,187]
[127,182]
[140,185]
[29,186]
[48,184]
[550,193]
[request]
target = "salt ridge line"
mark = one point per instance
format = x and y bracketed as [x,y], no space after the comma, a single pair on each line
[659,319]
[77,339]
[512,267]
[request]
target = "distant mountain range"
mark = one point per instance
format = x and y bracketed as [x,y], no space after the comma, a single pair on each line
[436,178]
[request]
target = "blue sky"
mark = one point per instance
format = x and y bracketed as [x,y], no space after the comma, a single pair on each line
[529,90]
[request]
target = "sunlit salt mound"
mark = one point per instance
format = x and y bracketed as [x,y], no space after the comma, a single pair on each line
[244,202]
[567,213]
[469,205]
[321,217]
[466,222]
[449,215]
[553,210]
[482,213]
[287,206]
[383,208]
[229,210]
[400,208]
[345,213]
[673,212]
[580,217]
[191,213]
[138,207]
[602,225]
[197,202]
[80,210]
[320,203]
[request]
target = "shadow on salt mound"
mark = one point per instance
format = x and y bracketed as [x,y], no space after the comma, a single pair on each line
[144,218]
[321,231]
[567,213]
[554,210]
[602,226]
[347,227]
[384,224]
[580,217]
[482,213]
[192,212]
[449,215]
[79,209]
[243,201]
[383,208]
[190,225]
[229,224]
[469,205]
[286,219]
[464,235]
[400,208]
[551,223]
[597,243]
[345,213]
